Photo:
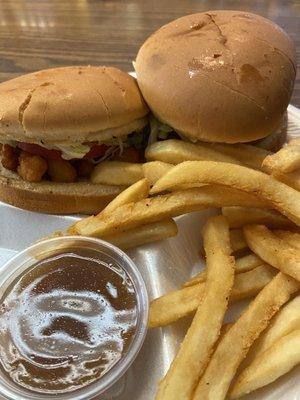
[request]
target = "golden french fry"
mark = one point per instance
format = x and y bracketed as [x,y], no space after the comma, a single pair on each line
[125,173]
[293,238]
[134,193]
[242,264]
[292,179]
[273,250]
[143,234]
[286,321]
[161,207]
[276,361]
[248,284]
[282,197]
[285,160]
[251,156]
[180,303]
[117,173]
[237,240]
[231,350]
[176,151]
[154,170]
[240,216]
[194,354]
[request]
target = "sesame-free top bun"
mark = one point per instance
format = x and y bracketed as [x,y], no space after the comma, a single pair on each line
[224,76]
[74,104]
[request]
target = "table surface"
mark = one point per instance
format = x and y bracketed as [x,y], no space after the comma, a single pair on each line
[38,34]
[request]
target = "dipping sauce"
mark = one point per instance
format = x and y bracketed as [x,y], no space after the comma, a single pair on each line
[66,321]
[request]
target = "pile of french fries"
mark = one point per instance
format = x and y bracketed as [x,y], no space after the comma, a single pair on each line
[252,250]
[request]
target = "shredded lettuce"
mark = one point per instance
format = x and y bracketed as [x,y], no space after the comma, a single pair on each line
[158,130]
[138,140]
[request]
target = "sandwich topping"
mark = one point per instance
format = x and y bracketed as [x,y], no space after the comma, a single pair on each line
[69,162]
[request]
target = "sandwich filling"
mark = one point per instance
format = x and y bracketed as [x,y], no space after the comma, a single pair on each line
[70,162]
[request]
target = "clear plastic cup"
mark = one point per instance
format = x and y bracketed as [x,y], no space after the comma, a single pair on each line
[25,259]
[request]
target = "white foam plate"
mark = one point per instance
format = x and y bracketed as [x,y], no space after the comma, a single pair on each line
[164,266]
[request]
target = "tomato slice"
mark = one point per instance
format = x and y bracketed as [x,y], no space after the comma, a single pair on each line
[97,150]
[40,151]
[130,154]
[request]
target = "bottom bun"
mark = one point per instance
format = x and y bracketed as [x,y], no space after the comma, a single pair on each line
[55,198]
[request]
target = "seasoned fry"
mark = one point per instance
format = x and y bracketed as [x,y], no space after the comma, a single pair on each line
[180,303]
[176,151]
[285,160]
[276,361]
[154,170]
[292,238]
[134,193]
[251,156]
[233,347]
[237,240]
[282,197]
[286,321]
[273,250]
[144,234]
[197,345]
[242,264]
[161,207]
[117,173]
[240,216]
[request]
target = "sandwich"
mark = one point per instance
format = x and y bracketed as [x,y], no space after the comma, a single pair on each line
[219,76]
[56,125]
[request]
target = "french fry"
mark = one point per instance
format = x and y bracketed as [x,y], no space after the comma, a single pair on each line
[286,321]
[137,191]
[177,151]
[273,250]
[285,160]
[276,361]
[204,331]
[117,173]
[251,156]
[282,197]
[161,207]
[248,284]
[240,216]
[125,173]
[133,193]
[144,234]
[231,350]
[154,170]
[293,238]
[242,264]
[292,179]
[180,303]
[237,240]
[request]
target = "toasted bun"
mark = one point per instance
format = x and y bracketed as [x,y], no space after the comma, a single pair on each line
[55,198]
[219,76]
[70,104]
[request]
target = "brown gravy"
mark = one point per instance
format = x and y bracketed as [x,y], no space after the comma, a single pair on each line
[65,322]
